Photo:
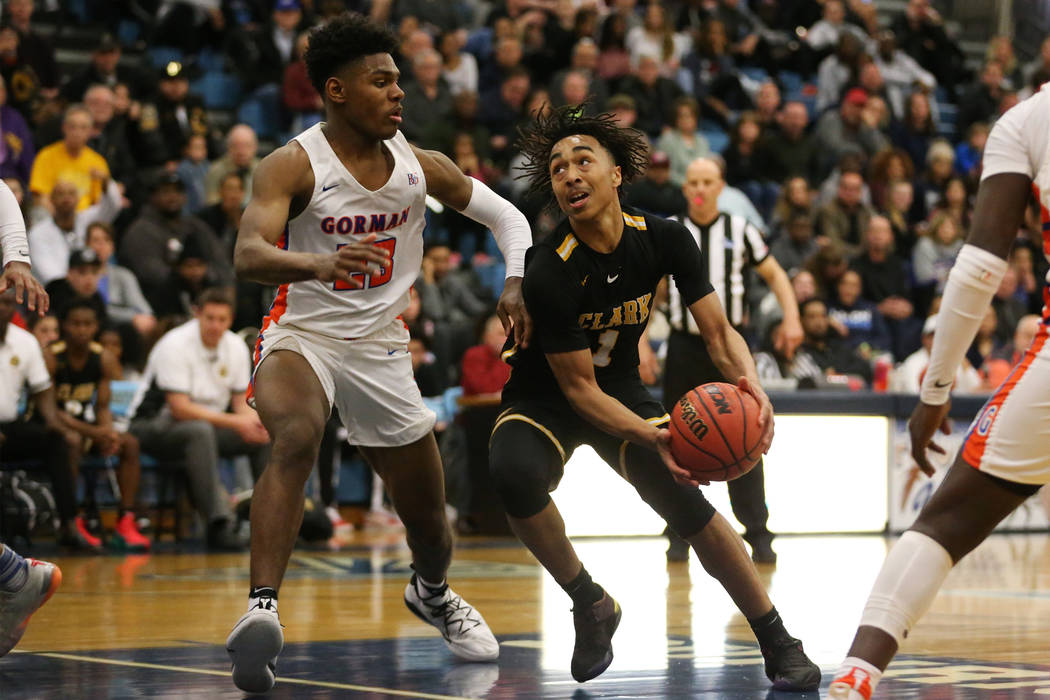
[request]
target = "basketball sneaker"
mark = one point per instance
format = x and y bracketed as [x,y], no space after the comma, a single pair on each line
[43,579]
[853,685]
[85,533]
[788,667]
[464,629]
[595,626]
[126,535]
[253,646]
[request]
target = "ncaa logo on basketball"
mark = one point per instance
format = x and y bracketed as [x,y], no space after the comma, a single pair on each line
[692,420]
[985,423]
[721,402]
[413,179]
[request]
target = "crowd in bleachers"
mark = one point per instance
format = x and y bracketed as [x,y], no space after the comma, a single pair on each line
[852,140]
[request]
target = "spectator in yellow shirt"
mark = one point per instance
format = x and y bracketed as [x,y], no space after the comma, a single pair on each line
[70,160]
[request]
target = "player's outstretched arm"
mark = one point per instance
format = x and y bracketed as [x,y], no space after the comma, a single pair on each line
[973,280]
[283,184]
[791,329]
[510,228]
[732,356]
[574,371]
[15,247]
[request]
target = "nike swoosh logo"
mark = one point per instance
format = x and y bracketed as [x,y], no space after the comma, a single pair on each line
[612,278]
[390,352]
[941,385]
[24,252]
[329,187]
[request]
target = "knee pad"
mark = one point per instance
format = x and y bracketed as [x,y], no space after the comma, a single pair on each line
[686,509]
[908,582]
[523,465]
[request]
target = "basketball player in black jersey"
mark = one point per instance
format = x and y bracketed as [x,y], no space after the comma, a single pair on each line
[589,288]
[81,371]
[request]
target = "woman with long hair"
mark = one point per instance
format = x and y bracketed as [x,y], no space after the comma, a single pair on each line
[656,37]
[916,129]
[683,143]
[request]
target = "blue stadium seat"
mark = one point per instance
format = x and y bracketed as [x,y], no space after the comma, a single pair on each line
[218,90]
[948,116]
[492,277]
[262,112]
[790,82]
[160,56]
[717,139]
[759,75]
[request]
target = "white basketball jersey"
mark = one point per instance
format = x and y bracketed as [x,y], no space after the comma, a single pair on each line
[342,211]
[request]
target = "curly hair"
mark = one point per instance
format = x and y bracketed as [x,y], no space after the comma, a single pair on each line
[342,40]
[628,147]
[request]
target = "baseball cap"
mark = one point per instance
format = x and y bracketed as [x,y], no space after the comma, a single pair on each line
[659,159]
[83,258]
[287,5]
[856,96]
[930,325]
[166,178]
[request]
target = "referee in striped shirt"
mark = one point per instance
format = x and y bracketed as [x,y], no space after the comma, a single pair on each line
[732,246]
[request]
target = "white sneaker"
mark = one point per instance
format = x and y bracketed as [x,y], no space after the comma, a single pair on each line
[43,579]
[463,627]
[253,646]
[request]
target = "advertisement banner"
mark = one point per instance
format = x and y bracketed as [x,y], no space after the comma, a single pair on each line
[910,489]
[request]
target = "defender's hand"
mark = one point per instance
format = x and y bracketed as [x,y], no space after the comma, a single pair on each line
[352,258]
[923,424]
[789,338]
[17,274]
[662,444]
[765,416]
[513,314]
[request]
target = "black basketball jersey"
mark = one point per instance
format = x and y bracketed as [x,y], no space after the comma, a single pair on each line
[579,298]
[76,389]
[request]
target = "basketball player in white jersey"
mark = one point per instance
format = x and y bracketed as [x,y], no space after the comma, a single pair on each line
[336,219]
[1005,457]
[25,584]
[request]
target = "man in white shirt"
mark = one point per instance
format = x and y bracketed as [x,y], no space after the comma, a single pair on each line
[53,239]
[192,408]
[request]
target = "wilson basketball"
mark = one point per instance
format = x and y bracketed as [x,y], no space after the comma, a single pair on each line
[715,433]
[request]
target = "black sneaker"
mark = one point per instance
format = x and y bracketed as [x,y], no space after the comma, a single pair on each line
[594,630]
[762,548]
[677,548]
[788,667]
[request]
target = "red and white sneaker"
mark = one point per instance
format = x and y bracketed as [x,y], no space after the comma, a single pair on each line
[340,527]
[16,608]
[126,535]
[855,684]
[85,534]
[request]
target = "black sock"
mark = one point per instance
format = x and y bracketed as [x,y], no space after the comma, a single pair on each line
[583,591]
[769,628]
[263,592]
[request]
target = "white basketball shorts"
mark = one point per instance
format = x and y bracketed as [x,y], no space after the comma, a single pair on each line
[369,380]
[1010,438]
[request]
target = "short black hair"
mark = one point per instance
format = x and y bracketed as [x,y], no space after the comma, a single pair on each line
[77,304]
[629,148]
[342,40]
[216,295]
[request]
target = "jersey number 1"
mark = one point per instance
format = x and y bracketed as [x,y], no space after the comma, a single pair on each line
[606,341]
[370,281]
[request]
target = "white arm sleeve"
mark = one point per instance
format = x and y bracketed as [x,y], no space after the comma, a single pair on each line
[13,238]
[509,226]
[971,285]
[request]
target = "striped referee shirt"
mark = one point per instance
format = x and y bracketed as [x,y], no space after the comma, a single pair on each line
[730,245]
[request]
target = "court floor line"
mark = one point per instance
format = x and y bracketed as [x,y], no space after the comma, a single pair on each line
[226,674]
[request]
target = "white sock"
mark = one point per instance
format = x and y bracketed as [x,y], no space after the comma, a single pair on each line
[912,574]
[861,677]
[425,588]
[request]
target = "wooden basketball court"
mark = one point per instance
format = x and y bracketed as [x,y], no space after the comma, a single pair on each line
[153,626]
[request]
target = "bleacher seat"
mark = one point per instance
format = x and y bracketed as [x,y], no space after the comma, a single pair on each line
[218,90]
[262,111]
[160,56]
[717,139]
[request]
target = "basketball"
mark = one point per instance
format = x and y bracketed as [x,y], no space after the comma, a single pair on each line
[715,433]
